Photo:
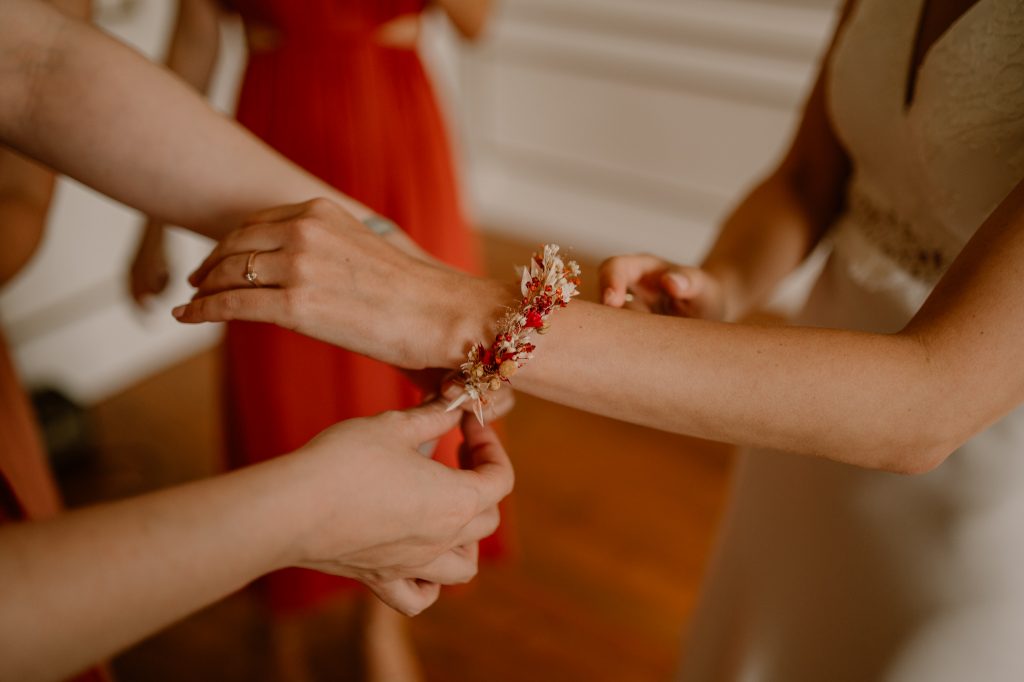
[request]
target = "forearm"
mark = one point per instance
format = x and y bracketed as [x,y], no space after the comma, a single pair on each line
[195,43]
[809,391]
[85,585]
[763,240]
[199,170]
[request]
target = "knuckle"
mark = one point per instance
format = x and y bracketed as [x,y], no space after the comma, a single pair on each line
[305,230]
[321,205]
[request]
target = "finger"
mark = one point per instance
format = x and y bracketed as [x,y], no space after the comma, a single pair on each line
[406,596]
[256,237]
[617,274]
[272,268]
[480,526]
[683,282]
[427,422]
[499,404]
[253,305]
[457,566]
[491,467]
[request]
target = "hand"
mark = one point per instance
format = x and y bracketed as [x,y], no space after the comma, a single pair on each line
[149,273]
[662,287]
[386,515]
[323,274]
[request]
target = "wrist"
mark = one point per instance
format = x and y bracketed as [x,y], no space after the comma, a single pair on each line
[471,316]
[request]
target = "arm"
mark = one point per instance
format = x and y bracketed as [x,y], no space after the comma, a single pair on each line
[468,16]
[765,237]
[25,191]
[89,583]
[199,170]
[873,400]
[195,43]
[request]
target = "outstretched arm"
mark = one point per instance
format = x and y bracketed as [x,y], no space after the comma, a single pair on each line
[26,188]
[874,400]
[359,500]
[199,170]
[899,401]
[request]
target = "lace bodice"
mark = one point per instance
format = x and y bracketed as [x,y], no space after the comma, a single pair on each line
[925,175]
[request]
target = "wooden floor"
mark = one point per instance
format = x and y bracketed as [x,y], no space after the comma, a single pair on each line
[612,525]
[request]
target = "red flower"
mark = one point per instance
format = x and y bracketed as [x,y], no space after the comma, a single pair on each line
[533,319]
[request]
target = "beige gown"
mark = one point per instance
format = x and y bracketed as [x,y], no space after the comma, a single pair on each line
[828,572]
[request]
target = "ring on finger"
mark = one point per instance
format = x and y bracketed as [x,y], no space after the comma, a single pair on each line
[250,270]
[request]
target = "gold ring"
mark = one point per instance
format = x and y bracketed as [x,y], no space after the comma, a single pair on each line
[250,270]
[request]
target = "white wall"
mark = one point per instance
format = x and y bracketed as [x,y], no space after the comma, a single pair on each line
[607,125]
[625,125]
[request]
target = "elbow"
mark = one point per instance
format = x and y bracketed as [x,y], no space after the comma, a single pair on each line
[920,450]
[918,460]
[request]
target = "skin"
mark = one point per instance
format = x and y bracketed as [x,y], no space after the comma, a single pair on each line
[96,580]
[89,583]
[809,391]
[25,191]
[55,111]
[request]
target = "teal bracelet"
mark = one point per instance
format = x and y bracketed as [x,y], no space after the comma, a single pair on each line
[379,225]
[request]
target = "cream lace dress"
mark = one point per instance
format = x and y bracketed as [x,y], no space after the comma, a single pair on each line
[828,572]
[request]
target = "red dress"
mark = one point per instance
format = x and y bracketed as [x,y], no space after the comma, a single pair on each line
[362,117]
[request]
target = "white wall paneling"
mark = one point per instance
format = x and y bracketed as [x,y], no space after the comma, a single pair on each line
[620,125]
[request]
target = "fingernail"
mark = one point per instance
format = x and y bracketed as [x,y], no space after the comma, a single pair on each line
[609,296]
[178,311]
[681,282]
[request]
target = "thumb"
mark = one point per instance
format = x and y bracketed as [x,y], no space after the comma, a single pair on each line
[685,283]
[485,458]
[428,422]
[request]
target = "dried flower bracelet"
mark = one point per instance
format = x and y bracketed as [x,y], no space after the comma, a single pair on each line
[548,283]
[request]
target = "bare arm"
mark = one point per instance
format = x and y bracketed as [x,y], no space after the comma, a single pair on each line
[873,400]
[25,191]
[468,16]
[85,585]
[200,170]
[769,233]
[195,42]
